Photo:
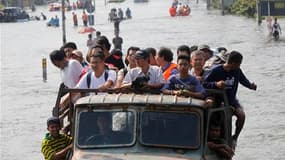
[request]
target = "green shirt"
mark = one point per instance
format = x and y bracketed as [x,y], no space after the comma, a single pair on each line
[50,145]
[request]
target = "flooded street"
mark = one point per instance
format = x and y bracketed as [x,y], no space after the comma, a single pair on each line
[26,101]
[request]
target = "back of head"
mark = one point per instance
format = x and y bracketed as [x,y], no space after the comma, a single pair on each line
[184,48]
[235,57]
[103,41]
[166,53]
[70,45]
[57,55]
[151,51]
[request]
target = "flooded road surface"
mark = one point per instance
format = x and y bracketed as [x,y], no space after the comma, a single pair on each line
[26,101]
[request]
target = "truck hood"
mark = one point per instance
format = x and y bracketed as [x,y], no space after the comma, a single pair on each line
[129,156]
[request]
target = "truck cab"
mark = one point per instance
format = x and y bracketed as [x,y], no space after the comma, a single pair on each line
[133,126]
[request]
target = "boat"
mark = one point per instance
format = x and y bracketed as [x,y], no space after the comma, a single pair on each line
[138,1]
[184,10]
[13,14]
[141,126]
[115,1]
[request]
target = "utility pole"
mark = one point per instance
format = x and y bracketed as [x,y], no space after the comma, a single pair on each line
[63,22]
[222,7]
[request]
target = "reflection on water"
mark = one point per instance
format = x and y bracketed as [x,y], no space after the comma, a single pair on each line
[26,101]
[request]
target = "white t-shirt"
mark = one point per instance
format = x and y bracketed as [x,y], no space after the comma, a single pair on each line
[96,82]
[71,73]
[154,73]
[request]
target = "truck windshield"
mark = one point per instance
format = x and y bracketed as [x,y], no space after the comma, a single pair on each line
[106,129]
[169,129]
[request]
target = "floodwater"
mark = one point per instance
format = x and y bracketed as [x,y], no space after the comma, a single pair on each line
[26,101]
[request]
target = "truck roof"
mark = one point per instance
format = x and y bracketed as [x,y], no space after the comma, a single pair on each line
[140,99]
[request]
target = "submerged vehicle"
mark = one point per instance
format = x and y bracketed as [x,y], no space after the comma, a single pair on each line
[13,14]
[130,126]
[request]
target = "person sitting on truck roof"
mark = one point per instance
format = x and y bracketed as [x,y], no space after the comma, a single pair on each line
[55,146]
[144,75]
[184,84]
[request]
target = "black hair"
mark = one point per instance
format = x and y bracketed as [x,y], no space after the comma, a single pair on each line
[220,49]
[184,48]
[117,52]
[130,48]
[53,120]
[57,55]
[193,48]
[151,51]
[103,41]
[166,53]
[183,56]
[99,54]
[70,45]
[235,57]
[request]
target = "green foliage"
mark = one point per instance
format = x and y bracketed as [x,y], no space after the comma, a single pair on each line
[1,6]
[241,7]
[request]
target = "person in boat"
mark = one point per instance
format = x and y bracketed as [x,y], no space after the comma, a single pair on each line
[227,76]
[51,22]
[197,63]
[164,60]
[152,54]
[172,11]
[130,62]
[70,69]
[144,76]
[55,146]
[56,21]
[217,144]
[175,3]
[184,84]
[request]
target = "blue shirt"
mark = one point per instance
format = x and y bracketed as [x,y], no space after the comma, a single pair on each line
[191,83]
[232,79]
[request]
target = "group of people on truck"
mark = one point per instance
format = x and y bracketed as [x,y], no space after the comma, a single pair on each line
[196,69]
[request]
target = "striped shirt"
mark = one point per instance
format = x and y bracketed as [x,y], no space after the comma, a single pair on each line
[50,145]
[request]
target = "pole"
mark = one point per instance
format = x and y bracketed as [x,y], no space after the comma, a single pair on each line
[44,66]
[208,4]
[222,7]
[268,8]
[63,22]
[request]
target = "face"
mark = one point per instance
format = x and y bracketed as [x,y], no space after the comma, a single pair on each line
[152,60]
[159,60]
[141,62]
[197,61]
[234,66]
[53,130]
[182,53]
[68,52]
[96,63]
[215,132]
[131,57]
[183,66]
[102,123]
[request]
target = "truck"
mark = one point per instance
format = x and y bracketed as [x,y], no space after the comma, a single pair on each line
[132,126]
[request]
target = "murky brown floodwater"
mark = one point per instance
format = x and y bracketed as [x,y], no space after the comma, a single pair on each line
[26,101]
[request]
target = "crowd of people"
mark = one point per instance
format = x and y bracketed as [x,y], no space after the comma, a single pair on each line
[196,69]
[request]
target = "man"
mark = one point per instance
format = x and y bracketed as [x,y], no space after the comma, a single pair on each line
[144,75]
[228,76]
[99,78]
[152,54]
[183,84]
[208,53]
[183,49]
[117,41]
[77,55]
[164,60]
[70,69]
[197,63]
[68,48]
[55,146]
